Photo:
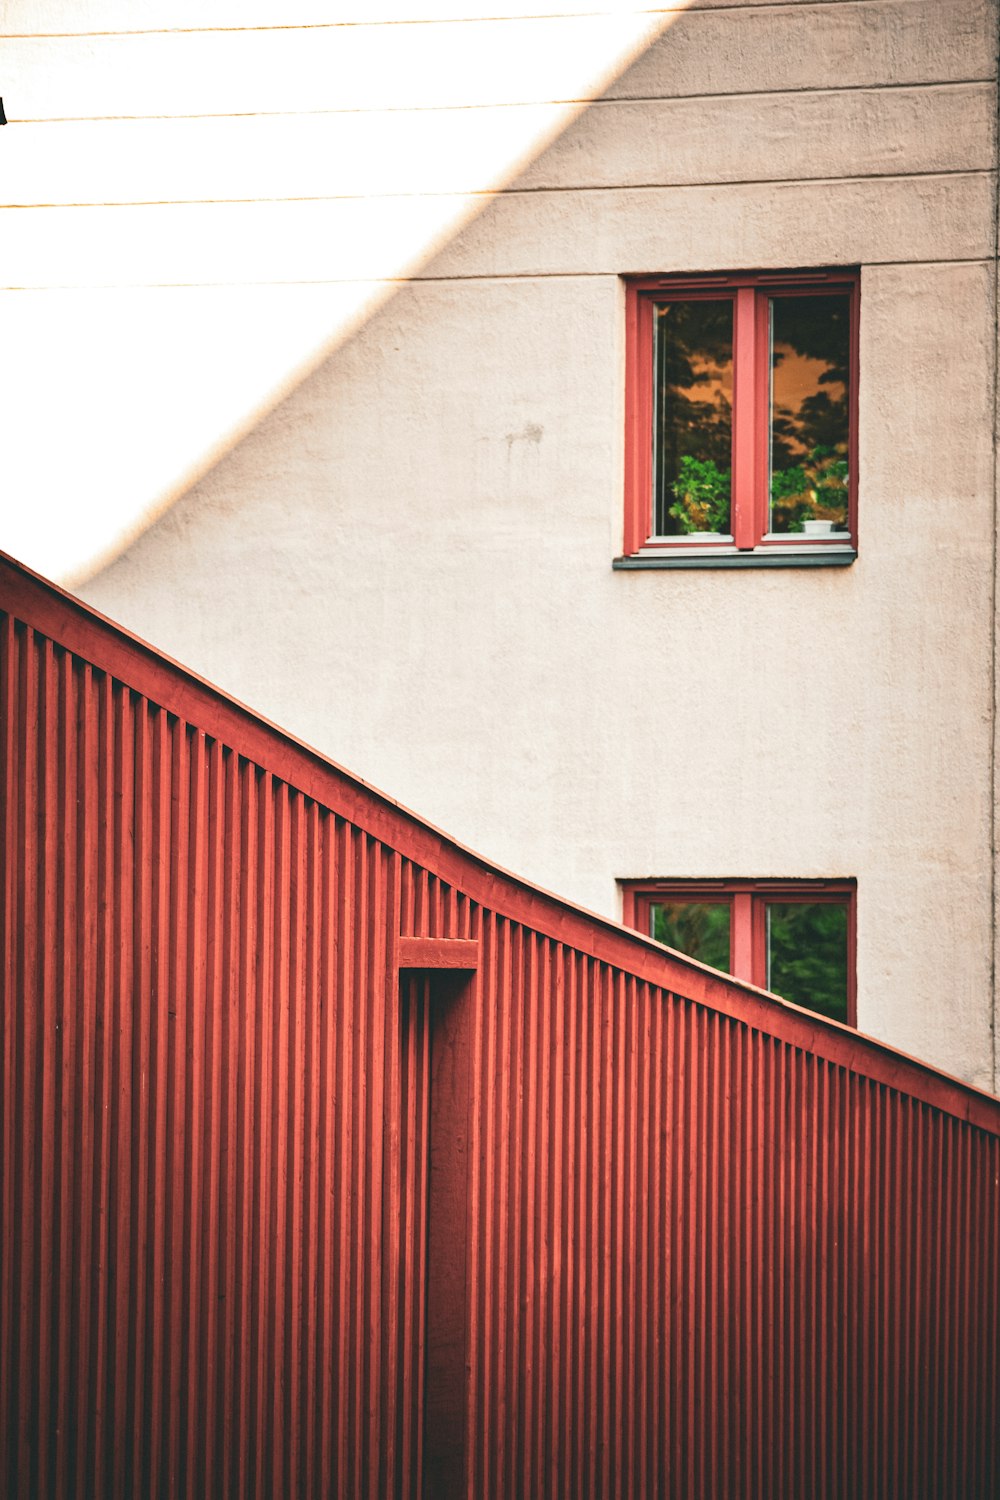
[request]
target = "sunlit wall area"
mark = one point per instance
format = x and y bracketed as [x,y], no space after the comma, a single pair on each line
[200,201]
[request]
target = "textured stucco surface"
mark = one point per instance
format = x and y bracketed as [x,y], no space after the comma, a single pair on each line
[408,563]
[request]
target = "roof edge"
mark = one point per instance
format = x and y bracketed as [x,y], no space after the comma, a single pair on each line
[77,627]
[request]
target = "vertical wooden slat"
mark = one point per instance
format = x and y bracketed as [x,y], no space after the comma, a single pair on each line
[330,1382]
[249,1146]
[211,1238]
[309,1314]
[274,1477]
[232,895]
[141,988]
[43,1269]
[348,1251]
[264,1161]
[123,1093]
[10,799]
[66,1118]
[529,1476]
[194,1062]
[86,957]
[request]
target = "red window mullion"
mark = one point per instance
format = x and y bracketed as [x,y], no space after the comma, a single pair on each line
[852,964]
[758,941]
[741,956]
[746,442]
[762,385]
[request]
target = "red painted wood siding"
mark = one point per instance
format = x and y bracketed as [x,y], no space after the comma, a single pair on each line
[713,1246]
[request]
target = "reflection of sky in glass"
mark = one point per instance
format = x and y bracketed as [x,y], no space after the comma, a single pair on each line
[796,379]
[694,395]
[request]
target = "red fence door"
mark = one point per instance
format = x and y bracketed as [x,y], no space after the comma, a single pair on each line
[425,1313]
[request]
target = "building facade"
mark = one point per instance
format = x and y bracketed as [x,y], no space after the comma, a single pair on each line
[409,558]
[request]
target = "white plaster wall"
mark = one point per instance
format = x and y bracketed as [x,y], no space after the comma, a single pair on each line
[408,562]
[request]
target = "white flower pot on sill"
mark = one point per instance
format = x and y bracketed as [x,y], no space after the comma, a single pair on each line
[818,528]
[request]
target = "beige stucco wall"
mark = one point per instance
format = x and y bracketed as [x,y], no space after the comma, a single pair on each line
[408,562]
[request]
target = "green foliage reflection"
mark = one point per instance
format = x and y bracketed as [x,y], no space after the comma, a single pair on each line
[807,955]
[694,426]
[698,928]
[702,491]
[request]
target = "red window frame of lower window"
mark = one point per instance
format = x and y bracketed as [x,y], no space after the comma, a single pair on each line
[749,292]
[748,900]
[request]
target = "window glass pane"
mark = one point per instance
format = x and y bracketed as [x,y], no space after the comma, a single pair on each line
[810,352]
[698,928]
[693,438]
[807,954]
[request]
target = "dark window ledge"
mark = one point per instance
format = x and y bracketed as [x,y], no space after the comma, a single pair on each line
[763,557]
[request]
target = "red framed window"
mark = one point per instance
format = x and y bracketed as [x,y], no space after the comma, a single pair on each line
[741,410]
[793,937]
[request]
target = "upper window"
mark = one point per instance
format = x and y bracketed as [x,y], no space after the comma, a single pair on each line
[793,937]
[741,410]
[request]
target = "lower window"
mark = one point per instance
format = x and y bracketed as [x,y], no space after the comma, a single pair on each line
[793,937]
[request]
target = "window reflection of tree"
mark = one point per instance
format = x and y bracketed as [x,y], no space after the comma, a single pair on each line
[694,372]
[698,928]
[807,955]
[694,375]
[809,438]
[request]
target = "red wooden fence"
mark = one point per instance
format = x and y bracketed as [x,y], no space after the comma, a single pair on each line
[335,1161]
